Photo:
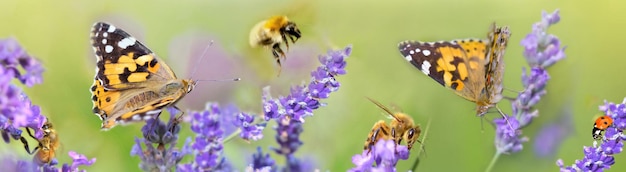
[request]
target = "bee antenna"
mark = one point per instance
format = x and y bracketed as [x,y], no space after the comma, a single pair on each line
[383,108]
[195,68]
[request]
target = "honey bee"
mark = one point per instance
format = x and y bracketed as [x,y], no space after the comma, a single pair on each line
[272,32]
[400,128]
[48,144]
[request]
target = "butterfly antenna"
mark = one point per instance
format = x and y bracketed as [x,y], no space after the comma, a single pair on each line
[195,68]
[383,108]
[220,80]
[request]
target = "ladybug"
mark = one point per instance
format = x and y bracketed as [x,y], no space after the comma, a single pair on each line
[600,125]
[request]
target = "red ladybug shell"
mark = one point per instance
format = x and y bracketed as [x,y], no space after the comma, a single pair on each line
[601,124]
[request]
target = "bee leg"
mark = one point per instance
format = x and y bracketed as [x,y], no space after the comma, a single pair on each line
[26,144]
[278,53]
[292,38]
[285,40]
[23,140]
[31,134]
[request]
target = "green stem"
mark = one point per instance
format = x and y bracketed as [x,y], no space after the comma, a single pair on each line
[417,161]
[493,161]
[231,136]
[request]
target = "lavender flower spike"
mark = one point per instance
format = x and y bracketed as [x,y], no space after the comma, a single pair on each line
[161,157]
[290,111]
[17,110]
[599,158]
[542,50]
[208,145]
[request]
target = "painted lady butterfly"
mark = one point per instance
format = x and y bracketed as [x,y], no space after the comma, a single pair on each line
[472,68]
[131,83]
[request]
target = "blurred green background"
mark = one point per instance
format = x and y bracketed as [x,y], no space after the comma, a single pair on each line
[57,32]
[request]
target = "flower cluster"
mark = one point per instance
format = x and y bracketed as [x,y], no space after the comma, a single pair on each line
[599,158]
[249,130]
[289,111]
[385,154]
[542,50]
[208,144]
[18,111]
[161,157]
[9,163]
[211,125]
[262,162]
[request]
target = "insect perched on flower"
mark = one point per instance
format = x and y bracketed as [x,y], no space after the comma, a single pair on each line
[131,83]
[601,124]
[48,144]
[472,68]
[401,127]
[272,32]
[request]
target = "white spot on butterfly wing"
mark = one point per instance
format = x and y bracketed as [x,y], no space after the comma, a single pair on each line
[108,48]
[426,67]
[111,28]
[408,58]
[129,41]
[426,53]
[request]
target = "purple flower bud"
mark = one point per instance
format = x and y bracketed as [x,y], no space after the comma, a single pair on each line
[249,131]
[385,154]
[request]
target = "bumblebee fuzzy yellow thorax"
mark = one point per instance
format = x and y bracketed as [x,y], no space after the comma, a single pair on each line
[275,23]
[267,32]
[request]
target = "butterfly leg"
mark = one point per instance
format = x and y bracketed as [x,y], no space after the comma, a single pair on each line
[505,117]
[511,90]
[182,113]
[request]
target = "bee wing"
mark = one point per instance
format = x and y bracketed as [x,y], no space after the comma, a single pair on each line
[390,114]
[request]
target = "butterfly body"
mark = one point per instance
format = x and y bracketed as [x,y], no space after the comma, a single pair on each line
[472,68]
[131,82]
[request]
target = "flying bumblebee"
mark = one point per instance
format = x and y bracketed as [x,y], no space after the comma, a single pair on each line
[400,128]
[272,32]
[48,144]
